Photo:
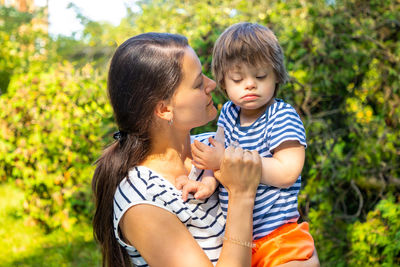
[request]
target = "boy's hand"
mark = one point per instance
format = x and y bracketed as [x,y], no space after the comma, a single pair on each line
[206,157]
[198,189]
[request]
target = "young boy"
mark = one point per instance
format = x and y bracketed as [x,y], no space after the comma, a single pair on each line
[248,65]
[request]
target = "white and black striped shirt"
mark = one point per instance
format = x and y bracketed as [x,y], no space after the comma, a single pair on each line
[203,218]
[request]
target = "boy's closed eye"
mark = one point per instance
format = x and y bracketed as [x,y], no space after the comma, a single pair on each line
[261,77]
[236,79]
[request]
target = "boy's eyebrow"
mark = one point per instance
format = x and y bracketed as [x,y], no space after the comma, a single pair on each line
[197,78]
[236,71]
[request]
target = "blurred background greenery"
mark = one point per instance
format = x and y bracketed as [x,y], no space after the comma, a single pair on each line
[343,57]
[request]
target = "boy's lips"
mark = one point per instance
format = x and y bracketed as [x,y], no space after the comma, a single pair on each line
[249,97]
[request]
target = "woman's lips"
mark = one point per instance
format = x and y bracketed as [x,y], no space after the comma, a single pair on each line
[210,103]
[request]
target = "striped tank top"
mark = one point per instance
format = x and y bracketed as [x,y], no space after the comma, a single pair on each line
[203,218]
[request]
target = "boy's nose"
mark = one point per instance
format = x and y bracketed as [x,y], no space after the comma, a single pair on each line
[250,84]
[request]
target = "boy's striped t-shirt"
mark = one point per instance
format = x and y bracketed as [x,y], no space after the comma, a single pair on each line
[203,218]
[280,122]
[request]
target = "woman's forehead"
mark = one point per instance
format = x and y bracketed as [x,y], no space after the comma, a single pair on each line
[191,64]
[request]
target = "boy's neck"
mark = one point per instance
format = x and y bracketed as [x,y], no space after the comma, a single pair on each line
[249,116]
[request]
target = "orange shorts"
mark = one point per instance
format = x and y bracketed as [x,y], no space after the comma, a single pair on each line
[288,242]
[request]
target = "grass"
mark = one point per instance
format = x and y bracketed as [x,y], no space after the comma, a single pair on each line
[25,244]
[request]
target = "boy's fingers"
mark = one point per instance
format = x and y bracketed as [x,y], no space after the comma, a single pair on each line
[214,142]
[195,150]
[198,145]
[202,193]
[185,191]
[184,195]
[198,159]
[211,140]
[190,187]
[199,195]
[181,181]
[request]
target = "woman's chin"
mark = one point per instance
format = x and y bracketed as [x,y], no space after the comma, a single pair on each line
[213,113]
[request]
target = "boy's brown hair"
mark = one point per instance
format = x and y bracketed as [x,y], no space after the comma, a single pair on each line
[249,43]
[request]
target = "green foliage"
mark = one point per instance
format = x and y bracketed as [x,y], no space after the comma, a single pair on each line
[342,65]
[376,242]
[24,244]
[51,137]
[21,43]
[343,59]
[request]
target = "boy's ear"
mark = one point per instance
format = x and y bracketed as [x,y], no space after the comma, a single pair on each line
[163,110]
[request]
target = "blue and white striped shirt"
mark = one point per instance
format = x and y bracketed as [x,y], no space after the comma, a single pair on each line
[203,218]
[273,206]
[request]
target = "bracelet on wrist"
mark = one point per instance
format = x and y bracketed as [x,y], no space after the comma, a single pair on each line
[247,244]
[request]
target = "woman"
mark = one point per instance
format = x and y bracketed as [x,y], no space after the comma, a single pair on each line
[158,94]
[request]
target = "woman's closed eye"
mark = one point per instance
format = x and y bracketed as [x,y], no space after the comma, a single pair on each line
[200,85]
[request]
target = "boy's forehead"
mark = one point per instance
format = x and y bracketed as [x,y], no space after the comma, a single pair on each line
[239,66]
[236,66]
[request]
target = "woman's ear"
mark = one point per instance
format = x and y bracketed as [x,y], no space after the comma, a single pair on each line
[163,110]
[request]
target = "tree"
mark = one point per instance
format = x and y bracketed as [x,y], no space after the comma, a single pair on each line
[22,43]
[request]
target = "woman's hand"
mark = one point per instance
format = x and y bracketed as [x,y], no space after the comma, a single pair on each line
[240,172]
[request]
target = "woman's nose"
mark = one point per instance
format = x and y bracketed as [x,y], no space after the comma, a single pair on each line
[210,85]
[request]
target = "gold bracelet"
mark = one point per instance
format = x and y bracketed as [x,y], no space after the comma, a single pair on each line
[246,244]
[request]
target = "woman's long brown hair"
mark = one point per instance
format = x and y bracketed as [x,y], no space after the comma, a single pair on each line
[144,70]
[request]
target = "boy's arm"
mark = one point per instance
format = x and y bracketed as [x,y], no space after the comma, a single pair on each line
[283,169]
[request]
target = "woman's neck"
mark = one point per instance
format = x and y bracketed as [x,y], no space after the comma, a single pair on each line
[170,155]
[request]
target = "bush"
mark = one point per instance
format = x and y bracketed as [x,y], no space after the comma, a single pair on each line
[53,126]
[376,242]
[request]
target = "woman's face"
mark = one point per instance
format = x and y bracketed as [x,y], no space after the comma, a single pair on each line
[192,102]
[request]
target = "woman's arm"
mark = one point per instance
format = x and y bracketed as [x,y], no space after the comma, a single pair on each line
[163,240]
[240,174]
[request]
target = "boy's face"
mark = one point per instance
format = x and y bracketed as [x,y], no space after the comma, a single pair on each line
[251,87]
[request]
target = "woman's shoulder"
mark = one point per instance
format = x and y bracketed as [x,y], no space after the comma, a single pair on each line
[142,184]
